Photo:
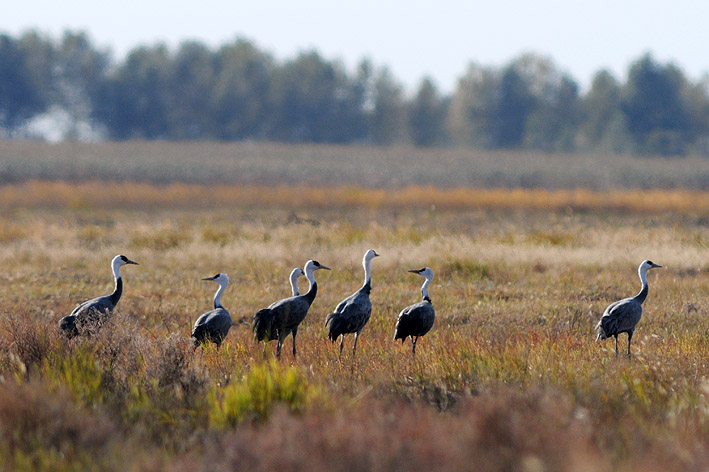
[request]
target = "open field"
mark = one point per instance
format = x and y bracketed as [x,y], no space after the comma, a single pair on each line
[510,378]
[272,164]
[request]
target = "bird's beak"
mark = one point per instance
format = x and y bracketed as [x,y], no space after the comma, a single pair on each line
[414,271]
[375,254]
[131,262]
[656,266]
[208,278]
[324,267]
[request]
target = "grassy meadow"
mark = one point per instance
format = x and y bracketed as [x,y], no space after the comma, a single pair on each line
[510,377]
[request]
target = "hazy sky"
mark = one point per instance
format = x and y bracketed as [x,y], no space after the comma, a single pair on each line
[413,38]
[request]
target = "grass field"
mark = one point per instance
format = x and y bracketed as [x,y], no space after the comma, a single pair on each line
[510,377]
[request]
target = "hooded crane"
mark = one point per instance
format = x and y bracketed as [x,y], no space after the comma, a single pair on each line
[293,278]
[622,316]
[284,316]
[213,325]
[93,312]
[353,312]
[417,319]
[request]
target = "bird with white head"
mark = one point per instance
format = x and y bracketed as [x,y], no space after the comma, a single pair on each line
[353,313]
[284,316]
[623,316]
[215,324]
[416,320]
[90,314]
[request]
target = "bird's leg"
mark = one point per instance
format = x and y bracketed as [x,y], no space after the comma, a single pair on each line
[354,349]
[278,347]
[342,342]
[413,340]
[616,345]
[295,331]
[630,336]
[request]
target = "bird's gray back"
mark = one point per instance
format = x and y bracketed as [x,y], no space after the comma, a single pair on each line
[355,310]
[213,325]
[290,312]
[216,317]
[416,319]
[92,308]
[621,316]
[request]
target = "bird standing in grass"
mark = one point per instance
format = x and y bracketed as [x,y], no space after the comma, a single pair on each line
[215,324]
[284,316]
[352,313]
[416,320]
[622,316]
[90,314]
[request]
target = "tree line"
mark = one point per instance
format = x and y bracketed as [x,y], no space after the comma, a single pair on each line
[238,91]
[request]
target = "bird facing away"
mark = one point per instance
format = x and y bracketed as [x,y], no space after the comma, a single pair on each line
[213,325]
[416,320]
[353,312]
[284,316]
[622,316]
[91,313]
[297,272]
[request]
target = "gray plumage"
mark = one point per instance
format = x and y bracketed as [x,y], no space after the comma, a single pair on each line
[92,313]
[284,316]
[353,313]
[622,316]
[265,318]
[416,320]
[215,324]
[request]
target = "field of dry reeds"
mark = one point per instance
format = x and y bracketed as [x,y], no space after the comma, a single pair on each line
[510,377]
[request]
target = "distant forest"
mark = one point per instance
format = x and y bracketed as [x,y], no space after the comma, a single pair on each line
[67,88]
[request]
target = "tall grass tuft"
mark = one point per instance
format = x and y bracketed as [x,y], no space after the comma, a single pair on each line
[265,387]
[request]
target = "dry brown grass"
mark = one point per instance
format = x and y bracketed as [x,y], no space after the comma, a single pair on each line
[35,194]
[509,379]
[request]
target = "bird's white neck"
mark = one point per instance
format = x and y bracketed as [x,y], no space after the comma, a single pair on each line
[367,264]
[218,295]
[642,273]
[294,283]
[642,295]
[116,267]
[310,274]
[424,288]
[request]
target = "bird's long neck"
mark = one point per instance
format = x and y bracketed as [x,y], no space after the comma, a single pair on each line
[367,285]
[218,296]
[118,290]
[424,290]
[294,284]
[642,295]
[312,288]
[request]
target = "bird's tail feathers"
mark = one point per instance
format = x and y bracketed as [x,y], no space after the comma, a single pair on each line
[331,321]
[398,335]
[263,324]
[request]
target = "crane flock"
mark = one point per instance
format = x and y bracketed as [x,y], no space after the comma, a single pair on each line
[351,315]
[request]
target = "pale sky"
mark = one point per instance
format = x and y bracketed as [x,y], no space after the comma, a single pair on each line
[413,38]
